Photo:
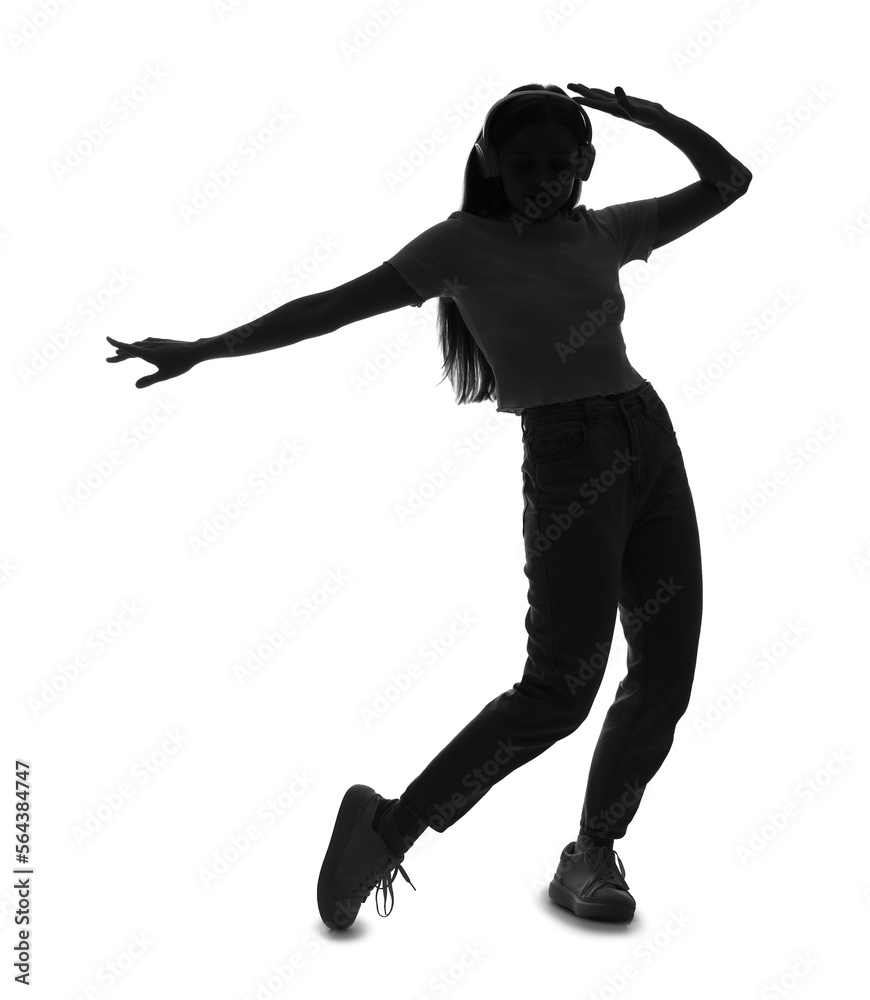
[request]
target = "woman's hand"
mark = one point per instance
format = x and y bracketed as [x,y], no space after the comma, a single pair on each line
[172,357]
[635,109]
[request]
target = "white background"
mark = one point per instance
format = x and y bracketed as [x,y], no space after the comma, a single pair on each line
[761,907]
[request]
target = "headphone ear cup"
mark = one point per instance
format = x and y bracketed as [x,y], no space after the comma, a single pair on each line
[479,157]
[487,158]
[589,159]
[492,166]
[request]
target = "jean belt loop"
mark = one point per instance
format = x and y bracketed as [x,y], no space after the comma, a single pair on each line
[644,403]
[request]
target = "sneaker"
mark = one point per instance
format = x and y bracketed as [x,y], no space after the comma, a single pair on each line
[589,883]
[357,860]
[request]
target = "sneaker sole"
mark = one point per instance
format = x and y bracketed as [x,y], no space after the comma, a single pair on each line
[356,800]
[588,908]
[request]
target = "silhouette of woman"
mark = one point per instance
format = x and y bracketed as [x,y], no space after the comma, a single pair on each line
[530,312]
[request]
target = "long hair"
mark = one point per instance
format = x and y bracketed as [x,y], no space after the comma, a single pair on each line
[465,364]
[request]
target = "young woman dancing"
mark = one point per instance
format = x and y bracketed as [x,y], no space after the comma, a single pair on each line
[530,312]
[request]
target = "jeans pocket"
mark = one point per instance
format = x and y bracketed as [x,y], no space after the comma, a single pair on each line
[659,413]
[555,441]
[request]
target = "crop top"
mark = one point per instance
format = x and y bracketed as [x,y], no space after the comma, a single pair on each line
[543,303]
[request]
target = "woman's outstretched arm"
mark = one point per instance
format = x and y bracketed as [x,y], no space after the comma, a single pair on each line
[378,291]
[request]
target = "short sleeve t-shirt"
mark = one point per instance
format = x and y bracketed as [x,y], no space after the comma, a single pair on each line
[542,301]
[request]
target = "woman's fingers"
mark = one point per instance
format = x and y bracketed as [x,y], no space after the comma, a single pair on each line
[135,345]
[171,357]
[126,350]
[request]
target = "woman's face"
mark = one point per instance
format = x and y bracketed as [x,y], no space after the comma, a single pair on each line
[539,166]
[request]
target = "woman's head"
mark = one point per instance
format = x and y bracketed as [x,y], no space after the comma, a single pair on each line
[538,169]
[542,147]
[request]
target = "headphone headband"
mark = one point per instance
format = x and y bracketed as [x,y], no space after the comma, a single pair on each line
[487,158]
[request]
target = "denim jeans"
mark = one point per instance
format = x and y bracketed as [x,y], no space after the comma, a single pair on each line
[609,524]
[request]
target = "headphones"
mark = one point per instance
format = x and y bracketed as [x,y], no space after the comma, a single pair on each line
[487,157]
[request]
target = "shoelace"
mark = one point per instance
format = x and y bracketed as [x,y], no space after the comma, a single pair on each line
[384,883]
[602,862]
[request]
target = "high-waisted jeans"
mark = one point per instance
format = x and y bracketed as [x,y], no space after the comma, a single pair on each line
[609,523]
